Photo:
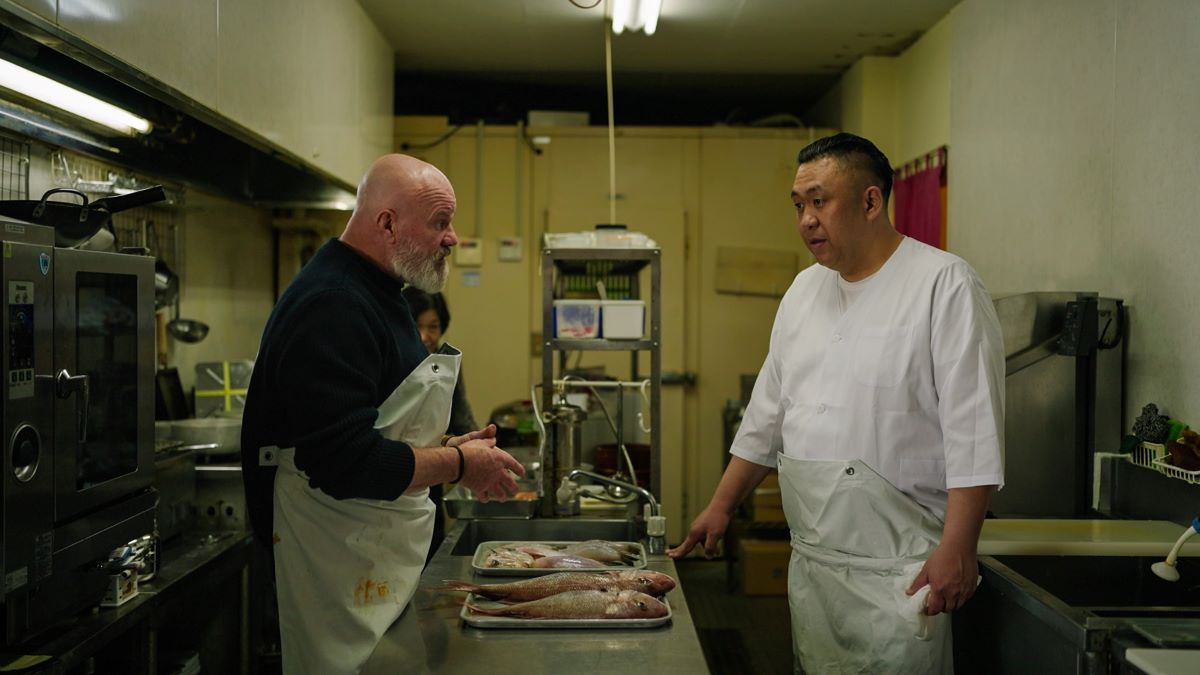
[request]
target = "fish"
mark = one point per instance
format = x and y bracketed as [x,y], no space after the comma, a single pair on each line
[581,605]
[604,551]
[648,582]
[566,562]
[538,550]
[507,557]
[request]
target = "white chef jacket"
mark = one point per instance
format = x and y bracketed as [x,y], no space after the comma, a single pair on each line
[909,379]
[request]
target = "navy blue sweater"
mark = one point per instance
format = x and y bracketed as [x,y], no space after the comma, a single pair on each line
[337,344]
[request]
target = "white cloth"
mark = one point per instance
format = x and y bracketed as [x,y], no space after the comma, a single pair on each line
[909,378]
[855,537]
[346,568]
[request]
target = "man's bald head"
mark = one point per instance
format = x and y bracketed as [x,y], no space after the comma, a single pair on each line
[404,208]
[395,177]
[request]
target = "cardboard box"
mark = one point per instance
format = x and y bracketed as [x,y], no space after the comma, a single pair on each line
[765,566]
[766,503]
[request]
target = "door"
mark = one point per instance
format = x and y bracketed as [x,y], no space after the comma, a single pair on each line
[104,374]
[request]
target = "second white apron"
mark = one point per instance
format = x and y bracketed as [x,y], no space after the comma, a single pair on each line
[852,535]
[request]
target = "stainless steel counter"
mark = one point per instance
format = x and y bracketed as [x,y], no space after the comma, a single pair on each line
[431,638]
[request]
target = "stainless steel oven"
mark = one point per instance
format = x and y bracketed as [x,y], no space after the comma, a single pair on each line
[78,421]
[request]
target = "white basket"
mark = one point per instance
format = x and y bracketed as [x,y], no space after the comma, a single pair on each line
[1146,454]
[1168,469]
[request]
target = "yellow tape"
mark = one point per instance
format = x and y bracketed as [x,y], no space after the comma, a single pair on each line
[227,392]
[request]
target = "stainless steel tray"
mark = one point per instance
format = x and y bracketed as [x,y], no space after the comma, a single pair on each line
[460,504]
[483,621]
[478,562]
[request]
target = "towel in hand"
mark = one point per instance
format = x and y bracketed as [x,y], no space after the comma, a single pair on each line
[912,607]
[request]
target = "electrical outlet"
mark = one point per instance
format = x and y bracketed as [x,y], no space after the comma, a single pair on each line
[510,249]
[469,252]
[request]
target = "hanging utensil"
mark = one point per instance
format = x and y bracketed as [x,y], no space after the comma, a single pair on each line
[76,223]
[184,330]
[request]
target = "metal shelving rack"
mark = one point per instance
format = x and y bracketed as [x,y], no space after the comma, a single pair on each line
[626,263]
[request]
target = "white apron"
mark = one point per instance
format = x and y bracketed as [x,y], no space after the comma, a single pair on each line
[852,535]
[346,568]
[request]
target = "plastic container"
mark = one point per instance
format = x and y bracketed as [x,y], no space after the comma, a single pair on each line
[576,319]
[623,319]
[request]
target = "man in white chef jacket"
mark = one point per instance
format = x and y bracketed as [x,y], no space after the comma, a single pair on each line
[881,402]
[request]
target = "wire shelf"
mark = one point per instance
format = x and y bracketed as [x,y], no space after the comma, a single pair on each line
[150,226]
[1153,456]
[14,168]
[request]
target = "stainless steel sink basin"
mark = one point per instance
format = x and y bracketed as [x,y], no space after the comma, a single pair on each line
[1110,581]
[549,529]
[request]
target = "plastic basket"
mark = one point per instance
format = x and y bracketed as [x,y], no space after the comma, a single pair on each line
[1146,454]
[1168,469]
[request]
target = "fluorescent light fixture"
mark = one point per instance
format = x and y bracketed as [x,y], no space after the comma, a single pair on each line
[635,15]
[41,88]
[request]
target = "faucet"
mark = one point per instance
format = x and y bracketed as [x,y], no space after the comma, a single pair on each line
[656,523]
[1166,569]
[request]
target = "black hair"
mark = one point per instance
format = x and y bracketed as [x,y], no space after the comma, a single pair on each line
[420,302]
[853,152]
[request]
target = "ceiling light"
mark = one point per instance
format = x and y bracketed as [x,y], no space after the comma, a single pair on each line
[41,88]
[635,15]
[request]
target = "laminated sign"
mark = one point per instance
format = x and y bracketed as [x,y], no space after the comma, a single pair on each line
[221,386]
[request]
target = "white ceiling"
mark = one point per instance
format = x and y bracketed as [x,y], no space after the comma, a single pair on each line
[554,42]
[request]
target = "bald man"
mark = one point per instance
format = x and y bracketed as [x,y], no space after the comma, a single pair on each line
[343,431]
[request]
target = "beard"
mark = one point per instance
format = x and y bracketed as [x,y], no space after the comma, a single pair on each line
[427,273]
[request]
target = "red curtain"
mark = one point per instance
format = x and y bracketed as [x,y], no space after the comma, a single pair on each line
[919,205]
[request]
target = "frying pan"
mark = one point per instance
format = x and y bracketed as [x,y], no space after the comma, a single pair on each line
[76,223]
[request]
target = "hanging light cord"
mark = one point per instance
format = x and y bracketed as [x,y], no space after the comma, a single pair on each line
[612,144]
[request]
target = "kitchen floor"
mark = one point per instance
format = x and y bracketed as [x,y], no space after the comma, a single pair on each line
[743,635]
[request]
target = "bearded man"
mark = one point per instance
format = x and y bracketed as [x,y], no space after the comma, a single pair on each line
[343,430]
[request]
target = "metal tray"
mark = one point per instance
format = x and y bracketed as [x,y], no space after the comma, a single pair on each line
[478,562]
[482,621]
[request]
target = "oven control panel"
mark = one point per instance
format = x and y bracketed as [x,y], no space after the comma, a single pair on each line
[20,339]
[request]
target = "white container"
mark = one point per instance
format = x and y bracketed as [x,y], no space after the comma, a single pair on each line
[574,319]
[623,319]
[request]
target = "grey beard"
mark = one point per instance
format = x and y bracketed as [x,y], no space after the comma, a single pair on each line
[428,274]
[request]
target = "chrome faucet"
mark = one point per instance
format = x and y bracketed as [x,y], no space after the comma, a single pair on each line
[656,523]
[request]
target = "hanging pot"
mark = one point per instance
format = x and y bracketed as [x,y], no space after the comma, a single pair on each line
[76,223]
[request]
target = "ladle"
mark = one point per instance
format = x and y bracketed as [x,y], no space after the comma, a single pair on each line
[1166,569]
[184,330]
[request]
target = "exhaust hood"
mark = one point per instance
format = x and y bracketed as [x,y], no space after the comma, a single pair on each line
[187,142]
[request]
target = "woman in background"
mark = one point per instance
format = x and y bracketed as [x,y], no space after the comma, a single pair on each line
[432,316]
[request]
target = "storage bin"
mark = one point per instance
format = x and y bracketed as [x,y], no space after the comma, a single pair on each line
[576,318]
[623,319]
[765,566]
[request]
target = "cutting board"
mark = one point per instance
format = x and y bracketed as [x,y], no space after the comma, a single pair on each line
[1018,536]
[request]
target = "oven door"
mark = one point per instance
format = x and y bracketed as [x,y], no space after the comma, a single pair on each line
[104,379]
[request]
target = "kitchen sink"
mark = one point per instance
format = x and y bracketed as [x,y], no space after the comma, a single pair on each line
[1095,582]
[548,529]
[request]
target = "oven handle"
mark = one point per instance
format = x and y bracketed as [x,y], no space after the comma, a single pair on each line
[66,384]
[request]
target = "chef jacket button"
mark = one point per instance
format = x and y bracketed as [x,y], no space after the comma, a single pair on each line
[435,367]
[821,408]
[849,471]
[837,337]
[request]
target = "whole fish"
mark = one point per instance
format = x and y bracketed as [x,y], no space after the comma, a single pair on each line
[604,551]
[538,550]
[582,605]
[573,562]
[506,557]
[650,583]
